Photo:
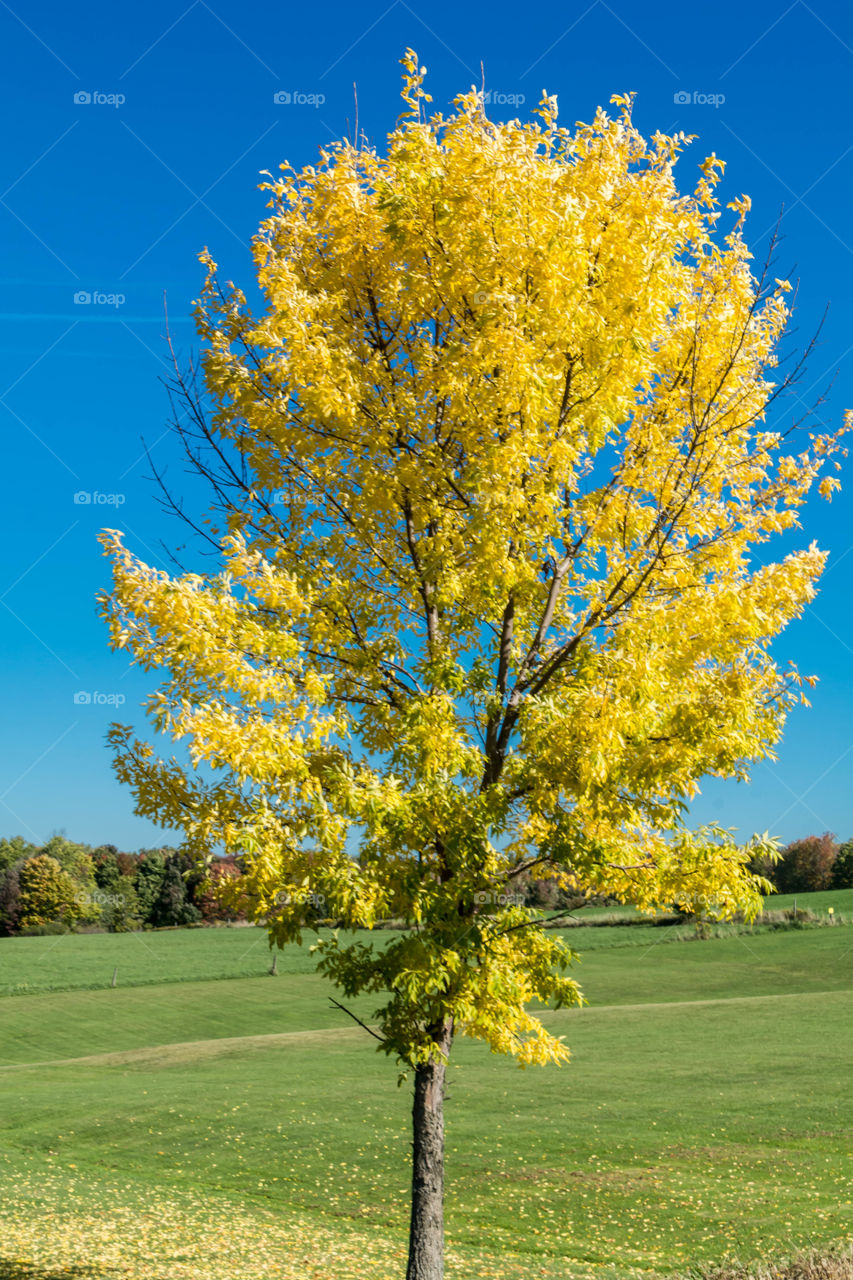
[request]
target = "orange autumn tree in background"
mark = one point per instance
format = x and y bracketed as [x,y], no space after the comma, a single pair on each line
[488,468]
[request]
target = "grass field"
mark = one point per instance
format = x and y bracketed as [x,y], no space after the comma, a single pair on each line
[215,1123]
[841,901]
[88,961]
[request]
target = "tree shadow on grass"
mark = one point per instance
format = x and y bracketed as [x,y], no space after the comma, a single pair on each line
[14,1269]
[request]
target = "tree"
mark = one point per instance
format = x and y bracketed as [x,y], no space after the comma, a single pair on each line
[14,850]
[76,861]
[806,865]
[149,880]
[486,474]
[48,894]
[119,906]
[10,899]
[218,898]
[842,871]
[173,904]
[105,866]
[111,867]
[13,854]
[127,864]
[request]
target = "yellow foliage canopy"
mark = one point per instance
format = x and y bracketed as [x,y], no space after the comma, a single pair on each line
[487,599]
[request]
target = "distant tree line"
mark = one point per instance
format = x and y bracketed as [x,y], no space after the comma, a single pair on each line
[808,865]
[811,864]
[62,885]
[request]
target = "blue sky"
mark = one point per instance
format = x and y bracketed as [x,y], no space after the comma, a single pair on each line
[135,137]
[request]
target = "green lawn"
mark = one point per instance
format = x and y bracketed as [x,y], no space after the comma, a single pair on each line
[216,1130]
[88,961]
[841,901]
[169,955]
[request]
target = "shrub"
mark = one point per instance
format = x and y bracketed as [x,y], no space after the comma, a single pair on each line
[832,1263]
[51,929]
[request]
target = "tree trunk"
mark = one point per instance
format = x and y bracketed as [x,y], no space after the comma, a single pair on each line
[426,1233]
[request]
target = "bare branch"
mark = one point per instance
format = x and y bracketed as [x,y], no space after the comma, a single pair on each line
[354,1017]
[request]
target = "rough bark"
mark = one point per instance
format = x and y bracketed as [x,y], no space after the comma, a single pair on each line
[426,1233]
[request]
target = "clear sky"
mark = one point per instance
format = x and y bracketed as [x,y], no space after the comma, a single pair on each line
[134,136]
